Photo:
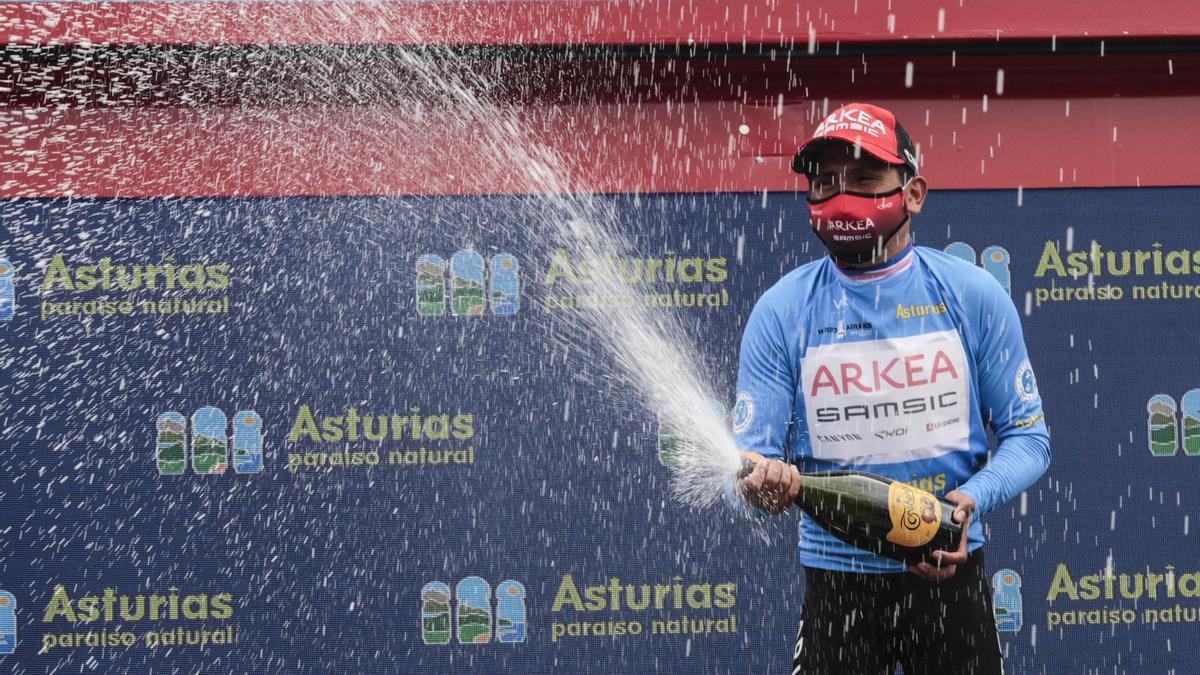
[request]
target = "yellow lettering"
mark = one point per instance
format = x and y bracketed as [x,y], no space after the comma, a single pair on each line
[1050,260]
[567,594]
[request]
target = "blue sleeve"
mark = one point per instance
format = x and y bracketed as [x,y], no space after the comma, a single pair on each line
[762,412]
[766,385]
[1009,403]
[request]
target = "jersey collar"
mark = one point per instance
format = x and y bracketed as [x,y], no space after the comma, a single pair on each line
[890,268]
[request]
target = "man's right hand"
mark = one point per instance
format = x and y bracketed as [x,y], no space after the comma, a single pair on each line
[772,486]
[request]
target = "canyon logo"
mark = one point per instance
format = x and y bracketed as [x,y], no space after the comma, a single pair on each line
[1166,432]
[472,612]
[468,277]
[994,260]
[209,443]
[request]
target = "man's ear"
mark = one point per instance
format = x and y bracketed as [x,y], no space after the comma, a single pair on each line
[914,195]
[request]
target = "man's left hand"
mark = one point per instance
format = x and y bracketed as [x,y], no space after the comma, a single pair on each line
[945,563]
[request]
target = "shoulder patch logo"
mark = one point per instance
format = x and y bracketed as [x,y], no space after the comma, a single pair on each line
[1026,383]
[743,412]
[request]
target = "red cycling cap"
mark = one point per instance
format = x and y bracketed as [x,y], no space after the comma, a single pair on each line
[872,128]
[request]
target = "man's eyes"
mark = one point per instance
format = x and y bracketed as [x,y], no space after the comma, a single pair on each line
[850,178]
[852,181]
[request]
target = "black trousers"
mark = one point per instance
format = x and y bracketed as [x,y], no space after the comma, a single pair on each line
[863,624]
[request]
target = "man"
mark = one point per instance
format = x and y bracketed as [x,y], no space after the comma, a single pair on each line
[892,359]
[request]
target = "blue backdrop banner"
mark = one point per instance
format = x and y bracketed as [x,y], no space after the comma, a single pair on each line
[322,435]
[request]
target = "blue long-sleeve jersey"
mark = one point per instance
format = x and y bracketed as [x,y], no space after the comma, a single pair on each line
[898,370]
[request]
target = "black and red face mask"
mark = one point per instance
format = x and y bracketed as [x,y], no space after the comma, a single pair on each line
[856,226]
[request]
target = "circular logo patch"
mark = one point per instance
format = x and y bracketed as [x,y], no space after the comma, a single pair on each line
[1026,383]
[743,412]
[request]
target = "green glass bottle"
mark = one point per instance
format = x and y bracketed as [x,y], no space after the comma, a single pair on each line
[877,514]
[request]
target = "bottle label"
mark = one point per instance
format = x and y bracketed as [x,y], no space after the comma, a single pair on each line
[915,514]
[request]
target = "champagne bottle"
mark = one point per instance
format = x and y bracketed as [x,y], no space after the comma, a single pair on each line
[877,514]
